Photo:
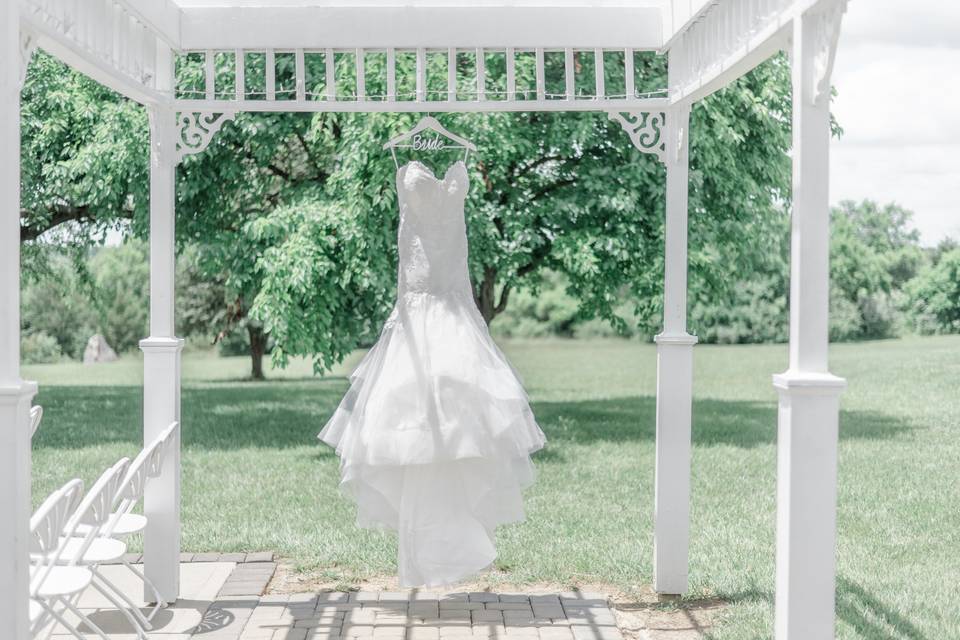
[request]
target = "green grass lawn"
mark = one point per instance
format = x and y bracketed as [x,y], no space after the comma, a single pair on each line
[255,477]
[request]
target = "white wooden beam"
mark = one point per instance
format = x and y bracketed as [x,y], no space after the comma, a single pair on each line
[409,27]
[410,106]
[809,404]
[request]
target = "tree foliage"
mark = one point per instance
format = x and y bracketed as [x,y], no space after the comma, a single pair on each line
[560,192]
[84,159]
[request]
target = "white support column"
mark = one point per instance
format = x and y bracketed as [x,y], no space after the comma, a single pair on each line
[15,394]
[809,403]
[161,354]
[674,377]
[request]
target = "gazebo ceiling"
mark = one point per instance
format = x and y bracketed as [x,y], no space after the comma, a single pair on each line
[245,24]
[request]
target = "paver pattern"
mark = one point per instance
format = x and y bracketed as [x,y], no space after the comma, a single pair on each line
[415,615]
[221,600]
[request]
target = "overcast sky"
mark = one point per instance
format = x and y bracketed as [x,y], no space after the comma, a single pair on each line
[897,74]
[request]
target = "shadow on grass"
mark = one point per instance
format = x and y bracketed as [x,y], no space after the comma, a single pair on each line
[244,415]
[870,617]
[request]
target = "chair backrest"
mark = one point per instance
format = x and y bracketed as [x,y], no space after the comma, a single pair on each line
[95,509]
[46,529]
[169,437]
[36,414]
[131,487]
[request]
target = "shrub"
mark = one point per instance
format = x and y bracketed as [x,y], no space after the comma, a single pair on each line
[39,347]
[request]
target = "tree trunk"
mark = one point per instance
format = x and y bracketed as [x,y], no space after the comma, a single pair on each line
[486,296]
[258,346]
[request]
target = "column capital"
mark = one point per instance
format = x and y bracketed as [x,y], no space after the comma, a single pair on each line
[675,338]
[161,345]
[808,383]
[12,393]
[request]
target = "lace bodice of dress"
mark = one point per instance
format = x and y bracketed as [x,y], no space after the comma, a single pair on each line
[432,239]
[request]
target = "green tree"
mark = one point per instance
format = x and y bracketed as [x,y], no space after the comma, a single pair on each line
[873,254]
[935,294]
[84,160]
[121,293]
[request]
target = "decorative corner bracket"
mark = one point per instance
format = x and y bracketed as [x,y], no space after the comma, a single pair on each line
[195,130]
[646,130]
[827,18]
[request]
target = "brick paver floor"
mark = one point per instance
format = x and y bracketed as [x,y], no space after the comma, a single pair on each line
[221,599]
[415,615]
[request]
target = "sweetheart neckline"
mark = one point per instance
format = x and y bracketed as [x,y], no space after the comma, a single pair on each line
[430,173]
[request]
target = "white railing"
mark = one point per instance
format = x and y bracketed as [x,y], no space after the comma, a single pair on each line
[504,79]
[723,34]
[99,35]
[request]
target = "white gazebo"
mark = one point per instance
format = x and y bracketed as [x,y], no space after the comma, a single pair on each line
[132,45]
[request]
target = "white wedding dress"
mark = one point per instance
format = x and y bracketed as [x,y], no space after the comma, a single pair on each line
[435,433]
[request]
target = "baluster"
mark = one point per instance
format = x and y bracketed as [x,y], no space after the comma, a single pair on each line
[150,56]
[270,74]
[541,81]
[301,76]
[421,74]
[391,75]
[361,76]
[331,79]
[629,80]
[481,76]
[117,17]
[598,73]
[239,59]
[452,75]
[511,75]
[569,76]
[209,74]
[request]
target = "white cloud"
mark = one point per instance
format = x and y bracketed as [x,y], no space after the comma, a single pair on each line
[898,80]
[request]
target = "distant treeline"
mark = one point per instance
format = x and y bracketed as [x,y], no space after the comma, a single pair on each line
[883,284]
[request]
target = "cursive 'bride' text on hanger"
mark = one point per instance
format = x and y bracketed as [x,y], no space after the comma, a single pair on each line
[414,139]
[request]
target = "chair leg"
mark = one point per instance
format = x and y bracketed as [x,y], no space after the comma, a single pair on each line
[80,614]
[137,627]
[156,593]
[144,621]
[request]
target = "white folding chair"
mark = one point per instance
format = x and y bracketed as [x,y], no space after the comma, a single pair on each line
[36,414]
[85,547]
[123,523]
[53,586]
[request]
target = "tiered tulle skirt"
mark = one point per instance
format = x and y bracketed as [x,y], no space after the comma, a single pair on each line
[434,438]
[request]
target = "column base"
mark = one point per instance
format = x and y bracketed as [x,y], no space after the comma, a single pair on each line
[671,528]
[161,504]
[807,435]
[15,400]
